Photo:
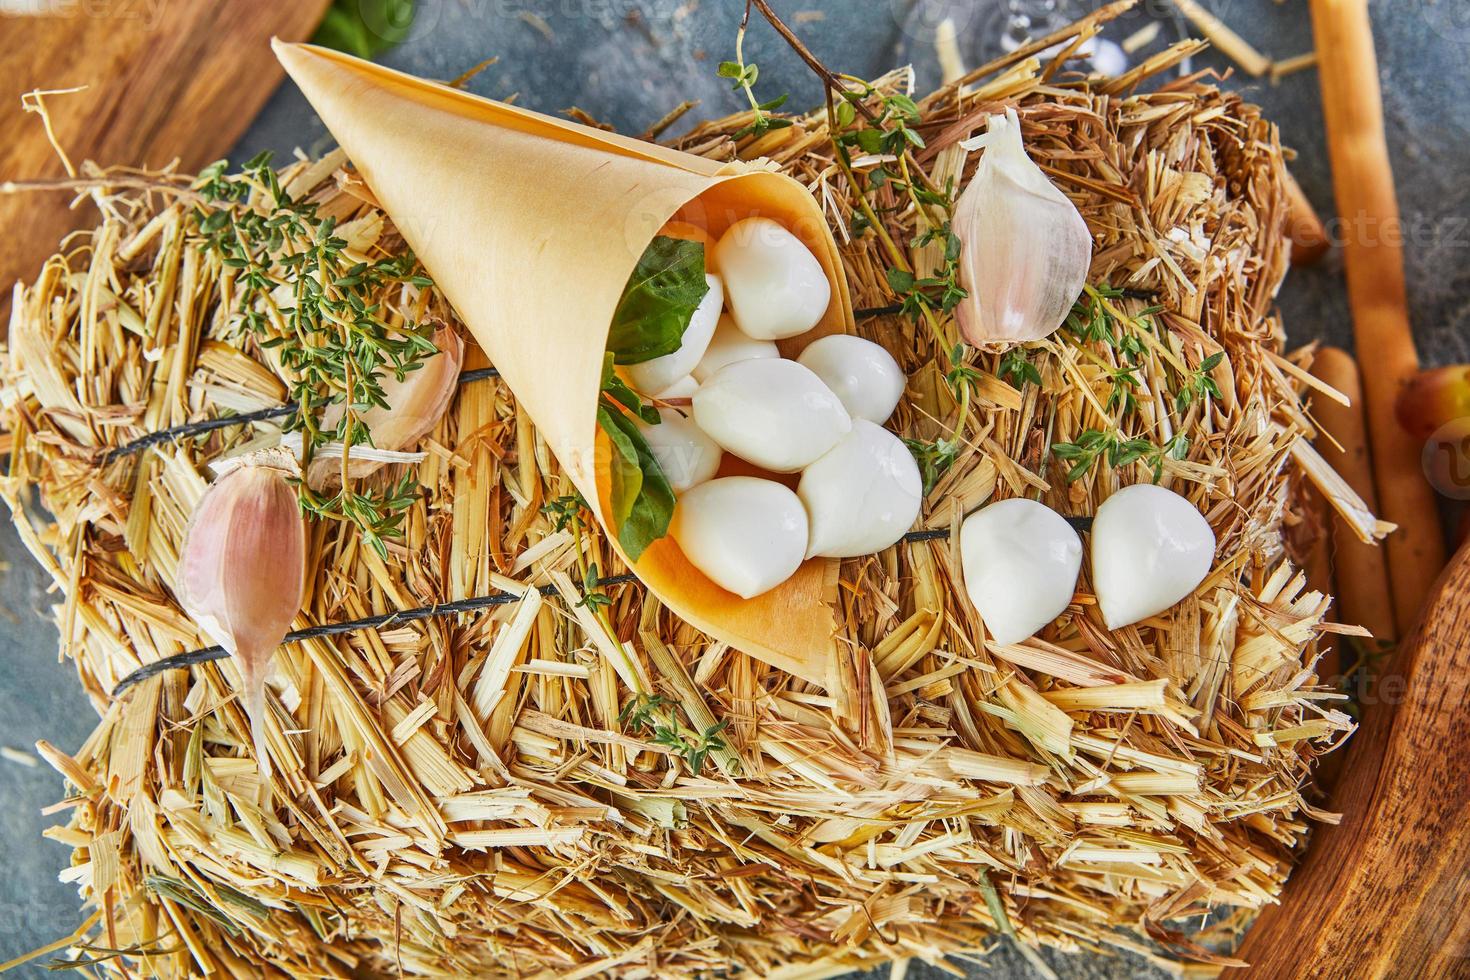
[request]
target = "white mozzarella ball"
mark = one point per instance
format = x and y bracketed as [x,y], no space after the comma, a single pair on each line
[652,377]
[687,456]
[774,285]
[1150,548]
[729,345]
[862,495]
[1020,561]
[770,412]
[747,534]
[863,374]
[685,387]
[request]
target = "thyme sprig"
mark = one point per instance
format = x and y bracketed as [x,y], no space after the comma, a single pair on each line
[1199,384]
[654,714]
[743,76]
[934,457]
[1095,444]
[1093,321]
[1017,369]
[332,340]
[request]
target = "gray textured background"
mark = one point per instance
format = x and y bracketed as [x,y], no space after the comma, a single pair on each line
[628,62]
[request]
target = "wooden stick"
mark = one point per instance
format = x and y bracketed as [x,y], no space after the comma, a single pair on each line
[1363,595]
[1353,109]
[1308,236]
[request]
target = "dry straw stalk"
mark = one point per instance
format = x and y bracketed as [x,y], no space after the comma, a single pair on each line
[458,796]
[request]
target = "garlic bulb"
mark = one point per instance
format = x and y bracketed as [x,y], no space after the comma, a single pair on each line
[773,413]
[730,345]
[241,571]
[862,495]
[687,456]
[860,372]
[415,406]
[1020,560]
[747,534]
[1024,248]
[1150,548]
[657,375]
[773,283]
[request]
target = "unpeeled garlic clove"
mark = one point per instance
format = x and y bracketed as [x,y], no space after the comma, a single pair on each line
[860,372]
[1150,548]
[862,495]
[415,406]
[687,456]
[1024,248]
[730,345]
[657,375]
[1020,560]
[774,285]
[773,413]
[241,571]
[747,534]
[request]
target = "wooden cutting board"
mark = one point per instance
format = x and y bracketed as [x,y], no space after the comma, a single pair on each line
[1386,893]
[165,79]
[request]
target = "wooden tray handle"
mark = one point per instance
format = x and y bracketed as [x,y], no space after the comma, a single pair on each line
[1386,893]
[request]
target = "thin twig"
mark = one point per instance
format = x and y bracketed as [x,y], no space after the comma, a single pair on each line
[474,604]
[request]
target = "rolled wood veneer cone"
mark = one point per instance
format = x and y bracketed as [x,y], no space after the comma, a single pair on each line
[531,226]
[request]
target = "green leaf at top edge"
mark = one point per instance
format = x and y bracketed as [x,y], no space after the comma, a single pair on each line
[662,294]
[365,27]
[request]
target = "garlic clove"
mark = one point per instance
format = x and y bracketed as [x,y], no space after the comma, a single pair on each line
[685,387]
[1024,248]
[661,372]
[747,534]
[415,405]
[773,413]
[862,495]
[241,571]
[774,285]
[1150,548]
[860,372]
[687,456]
[730,345]
[1020,560]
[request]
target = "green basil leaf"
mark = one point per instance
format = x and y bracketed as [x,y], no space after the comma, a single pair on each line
[617,389]
[365,27]
[642,500]
[661,295]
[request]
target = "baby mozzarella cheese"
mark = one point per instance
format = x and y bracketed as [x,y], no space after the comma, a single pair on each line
[862,495]
[730,345]
[655,376]
[770,412]
[1020,560]
[685,387]
[1150,548]
[773,283]
[747,534]
[687,456]
[863,374]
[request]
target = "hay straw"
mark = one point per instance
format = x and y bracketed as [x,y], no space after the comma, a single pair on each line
[456,795]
